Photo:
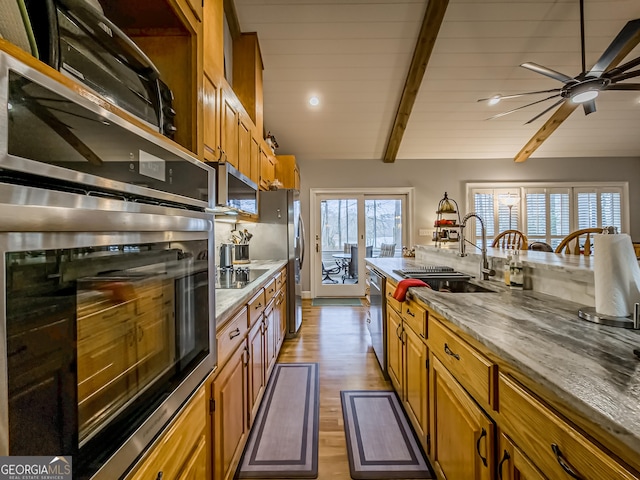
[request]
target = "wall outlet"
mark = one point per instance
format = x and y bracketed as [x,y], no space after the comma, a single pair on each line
[423,232]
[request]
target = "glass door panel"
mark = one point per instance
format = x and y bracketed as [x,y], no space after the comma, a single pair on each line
[337,247]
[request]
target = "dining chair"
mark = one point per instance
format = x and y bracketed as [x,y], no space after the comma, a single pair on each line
[511,239]
[352,267]
[387,250]
[327,272]
[574,244]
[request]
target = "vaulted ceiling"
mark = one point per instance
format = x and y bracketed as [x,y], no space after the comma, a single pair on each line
[354,56]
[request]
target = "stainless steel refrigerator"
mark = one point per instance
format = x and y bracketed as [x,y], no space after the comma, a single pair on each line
[278,236]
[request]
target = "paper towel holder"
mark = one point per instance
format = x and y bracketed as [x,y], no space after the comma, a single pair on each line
[632,321]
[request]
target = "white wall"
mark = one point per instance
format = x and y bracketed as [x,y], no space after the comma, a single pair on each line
[431,178]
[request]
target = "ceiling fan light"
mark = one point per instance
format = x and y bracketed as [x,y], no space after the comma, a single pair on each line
[585,96]
[494,100]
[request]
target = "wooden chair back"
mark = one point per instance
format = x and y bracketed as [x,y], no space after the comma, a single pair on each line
[579,242]
[511,239]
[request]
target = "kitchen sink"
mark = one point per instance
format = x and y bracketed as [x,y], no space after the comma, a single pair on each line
[458,286]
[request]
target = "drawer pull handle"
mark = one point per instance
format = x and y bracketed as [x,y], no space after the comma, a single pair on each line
[482,435]
[505,457]
[448,351]
[410,313]
[397,334]
[234,334]
[566,466]
[160,475]
[259,305]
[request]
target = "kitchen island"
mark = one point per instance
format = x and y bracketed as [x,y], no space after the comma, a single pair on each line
[585,372]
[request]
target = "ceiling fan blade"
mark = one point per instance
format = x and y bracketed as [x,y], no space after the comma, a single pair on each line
[545,111]
[547,72]
[621,46]
[625,76]
[516,95]
[624,86]
[622,68]
[589,107]
[559,116]
[523,106]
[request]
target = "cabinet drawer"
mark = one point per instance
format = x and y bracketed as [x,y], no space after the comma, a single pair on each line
[472,369]
[415,316]
[232,335]
[553,445]
[270,291]
[173,452]
[279,280]
[256,307]
[392,302]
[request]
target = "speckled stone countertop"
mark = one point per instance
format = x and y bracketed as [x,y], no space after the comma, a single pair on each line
[591,368]
[229,299]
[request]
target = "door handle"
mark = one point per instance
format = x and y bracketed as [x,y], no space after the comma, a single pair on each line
[482,435]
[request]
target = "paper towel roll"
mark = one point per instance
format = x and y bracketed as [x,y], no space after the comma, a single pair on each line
[616,275]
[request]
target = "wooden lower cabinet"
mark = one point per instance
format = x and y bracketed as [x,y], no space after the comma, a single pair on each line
[416,384]
[556,448]
[462,435]
[270,335]
[256,368]
[513,464]
[394,349]
[230,424]
[180,452]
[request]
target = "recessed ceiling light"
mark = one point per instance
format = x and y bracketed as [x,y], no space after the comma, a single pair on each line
[494,100]
[314,101]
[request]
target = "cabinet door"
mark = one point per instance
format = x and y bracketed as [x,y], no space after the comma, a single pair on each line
[230,424]
[212,32]
[462,436]
[256,368]
[211,116]
[244,147]
[270,333]
[229,134]
[394,349]
[513,464]
[416,383]
[255,160]
[267,169]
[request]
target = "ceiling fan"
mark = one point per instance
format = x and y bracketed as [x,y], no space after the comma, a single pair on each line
[583,88]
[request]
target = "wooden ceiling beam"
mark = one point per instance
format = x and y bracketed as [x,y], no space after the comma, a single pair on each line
[424,46]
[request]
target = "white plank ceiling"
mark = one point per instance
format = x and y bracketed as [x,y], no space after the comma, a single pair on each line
[354,55]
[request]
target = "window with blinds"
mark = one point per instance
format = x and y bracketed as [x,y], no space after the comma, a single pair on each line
[548,213]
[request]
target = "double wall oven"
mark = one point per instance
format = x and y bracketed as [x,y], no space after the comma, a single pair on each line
[108,322]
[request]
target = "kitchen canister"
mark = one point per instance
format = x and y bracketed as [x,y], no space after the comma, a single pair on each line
[241,253]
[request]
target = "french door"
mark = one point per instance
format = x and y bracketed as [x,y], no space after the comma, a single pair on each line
[346,229]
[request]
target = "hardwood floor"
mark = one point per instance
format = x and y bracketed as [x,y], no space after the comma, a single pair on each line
[337,338]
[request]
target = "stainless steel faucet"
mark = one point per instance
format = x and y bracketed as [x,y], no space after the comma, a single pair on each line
[484,268]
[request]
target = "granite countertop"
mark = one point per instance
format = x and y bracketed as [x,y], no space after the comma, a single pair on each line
[229,299]
[590,367]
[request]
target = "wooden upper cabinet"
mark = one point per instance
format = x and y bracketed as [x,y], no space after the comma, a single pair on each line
[245,128]
[255,158]
[247,76]
[170,34]
[267,168]
[287,171]
[211,99]
[196,7]
[213,38]
[229,124]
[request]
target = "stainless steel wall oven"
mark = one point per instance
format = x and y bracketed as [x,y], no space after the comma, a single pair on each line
[108,322]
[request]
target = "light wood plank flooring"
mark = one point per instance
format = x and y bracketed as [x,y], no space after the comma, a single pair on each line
[337,338]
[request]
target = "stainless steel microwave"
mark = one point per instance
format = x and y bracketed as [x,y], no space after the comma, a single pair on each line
[235,192]
[107,323]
